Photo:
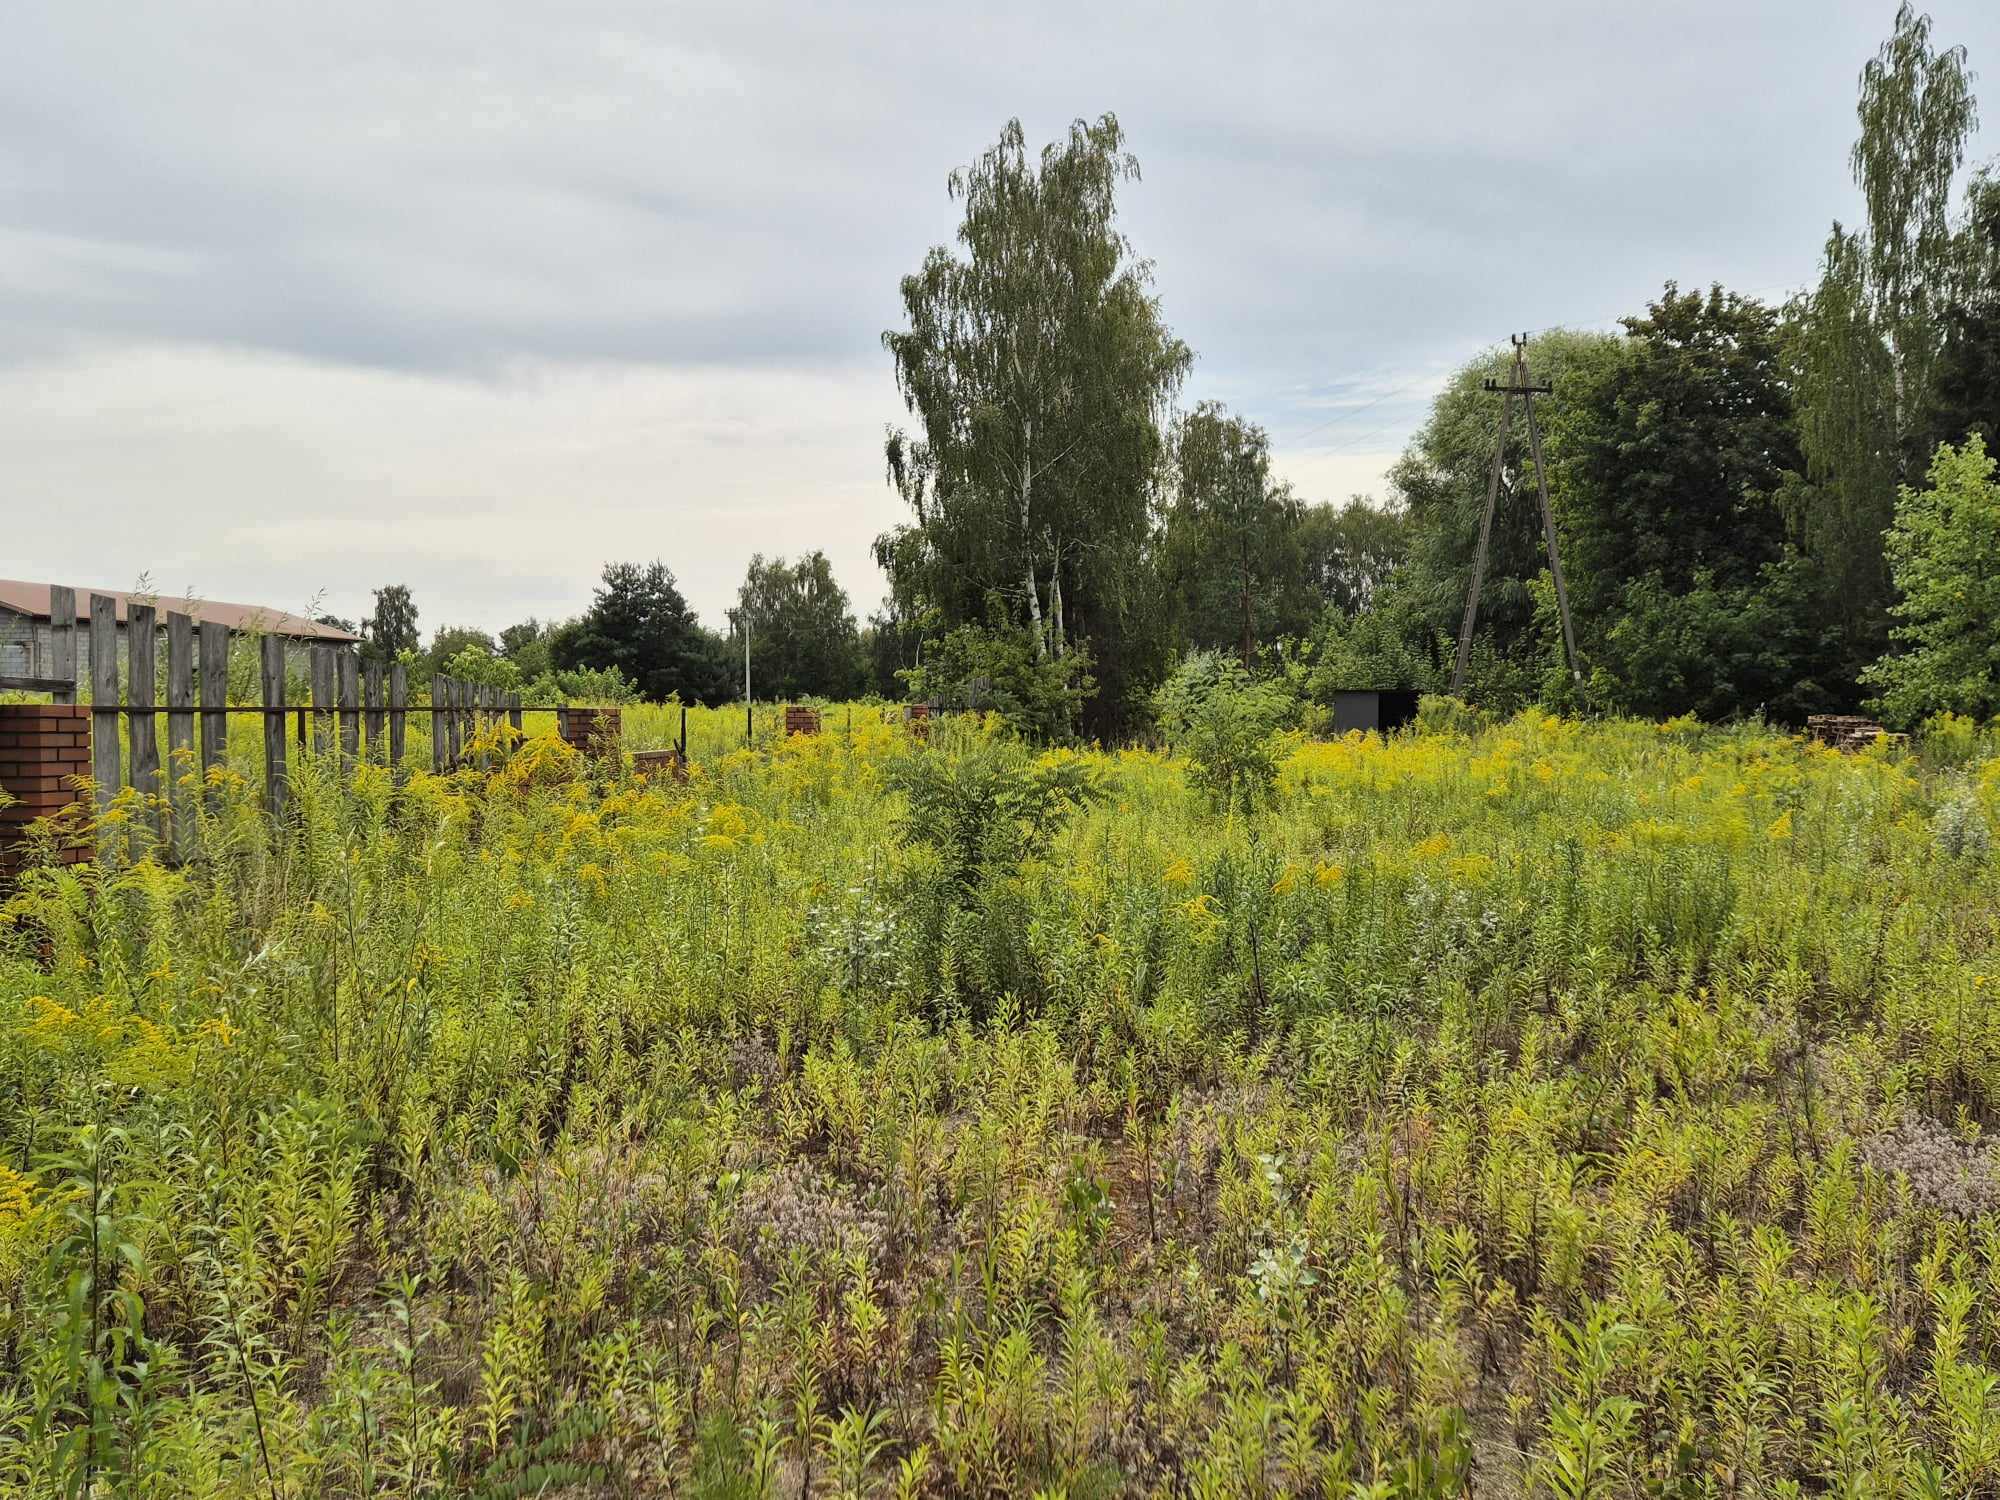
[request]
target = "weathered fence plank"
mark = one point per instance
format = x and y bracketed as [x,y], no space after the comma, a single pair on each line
[371,699]
[350,705]
[62,639]
[180,731]
[106,768]
[142,726]
[440,711]
[399,717]
[214,696]
[274,723]
[453,723]
[322,698]
[514,711]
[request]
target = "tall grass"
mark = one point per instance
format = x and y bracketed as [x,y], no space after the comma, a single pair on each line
[1549,1109]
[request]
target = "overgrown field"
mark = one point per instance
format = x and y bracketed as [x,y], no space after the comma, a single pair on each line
[1542,1108]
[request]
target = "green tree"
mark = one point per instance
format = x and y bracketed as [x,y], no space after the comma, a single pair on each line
[639,623]
[890,645]
[803,639]
[526,645]
[1868,338]
[1942,548]
[1232,534]
[1965,395]
[1670,465]
[996,667]
[1035,364]
[392,628]
[1223,719]
[448,642]
[1348,553]
[475,664]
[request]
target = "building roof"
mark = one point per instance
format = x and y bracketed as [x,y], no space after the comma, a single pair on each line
[32,599]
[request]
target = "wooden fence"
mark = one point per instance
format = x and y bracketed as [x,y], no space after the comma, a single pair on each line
[360,713]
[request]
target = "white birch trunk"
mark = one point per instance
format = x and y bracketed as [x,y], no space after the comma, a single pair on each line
[1027,537]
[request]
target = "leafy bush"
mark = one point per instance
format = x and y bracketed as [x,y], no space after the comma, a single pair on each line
[1225,721]
[997,667]
[1942,547]
[990,805]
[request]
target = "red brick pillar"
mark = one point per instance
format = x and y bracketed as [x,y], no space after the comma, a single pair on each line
[42,745]
[594,731]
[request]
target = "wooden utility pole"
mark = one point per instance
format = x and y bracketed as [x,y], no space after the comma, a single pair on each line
[1522,385]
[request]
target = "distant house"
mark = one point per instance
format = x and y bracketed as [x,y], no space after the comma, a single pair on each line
[27,648]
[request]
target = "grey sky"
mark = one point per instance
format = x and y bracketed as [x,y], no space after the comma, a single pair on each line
[305,299]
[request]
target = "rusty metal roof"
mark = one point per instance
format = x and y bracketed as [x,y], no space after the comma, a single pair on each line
[33,599]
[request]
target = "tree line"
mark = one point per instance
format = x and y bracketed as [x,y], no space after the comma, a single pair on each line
[1776,509]
[639,639]
[1755,503]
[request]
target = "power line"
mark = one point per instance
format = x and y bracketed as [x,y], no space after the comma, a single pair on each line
[1343,417]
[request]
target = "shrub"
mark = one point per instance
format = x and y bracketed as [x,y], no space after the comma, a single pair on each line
[1225,721]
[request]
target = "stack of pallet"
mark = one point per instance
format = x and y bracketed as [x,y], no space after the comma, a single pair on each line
[1843,731]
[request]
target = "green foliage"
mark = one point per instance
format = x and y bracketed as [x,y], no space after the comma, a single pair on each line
[1374,651]
[988,805]
[1225,722]
[1867,340]
[639,623]
[1349,553]
[1231,538]
[477,665]
[1035,364]
[447,645]
[1670,462]
[1942,549]
[803,640]
[392,628]
[996,666]
[1516,1105]
[1965,393]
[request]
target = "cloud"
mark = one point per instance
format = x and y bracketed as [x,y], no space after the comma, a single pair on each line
[279,262]
[494,498]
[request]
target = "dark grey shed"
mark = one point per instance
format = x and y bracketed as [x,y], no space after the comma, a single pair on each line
[1384,710]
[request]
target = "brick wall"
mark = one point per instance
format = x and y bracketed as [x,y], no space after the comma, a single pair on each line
[594,731]
[800,720]
[41,747]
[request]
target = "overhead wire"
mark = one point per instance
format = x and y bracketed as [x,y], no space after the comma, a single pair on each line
[1435,376]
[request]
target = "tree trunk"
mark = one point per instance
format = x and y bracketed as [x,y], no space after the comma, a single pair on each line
[1027,537]
[1056,605]
[1249,635]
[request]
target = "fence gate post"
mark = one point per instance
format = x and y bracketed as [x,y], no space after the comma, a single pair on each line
[62,640]
[322,697]
[274,723]
[180,729]
[214,696]
[142,725]
[399,717]
[350,705]
[371,698]
[440,711]
[106,766]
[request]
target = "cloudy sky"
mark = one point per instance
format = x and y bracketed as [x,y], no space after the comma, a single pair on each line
[296,300]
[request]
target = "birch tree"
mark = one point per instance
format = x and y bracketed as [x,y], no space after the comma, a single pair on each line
[1037,370]
[1869,335]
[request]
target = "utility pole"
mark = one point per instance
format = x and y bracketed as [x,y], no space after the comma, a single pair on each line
[1522,385]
